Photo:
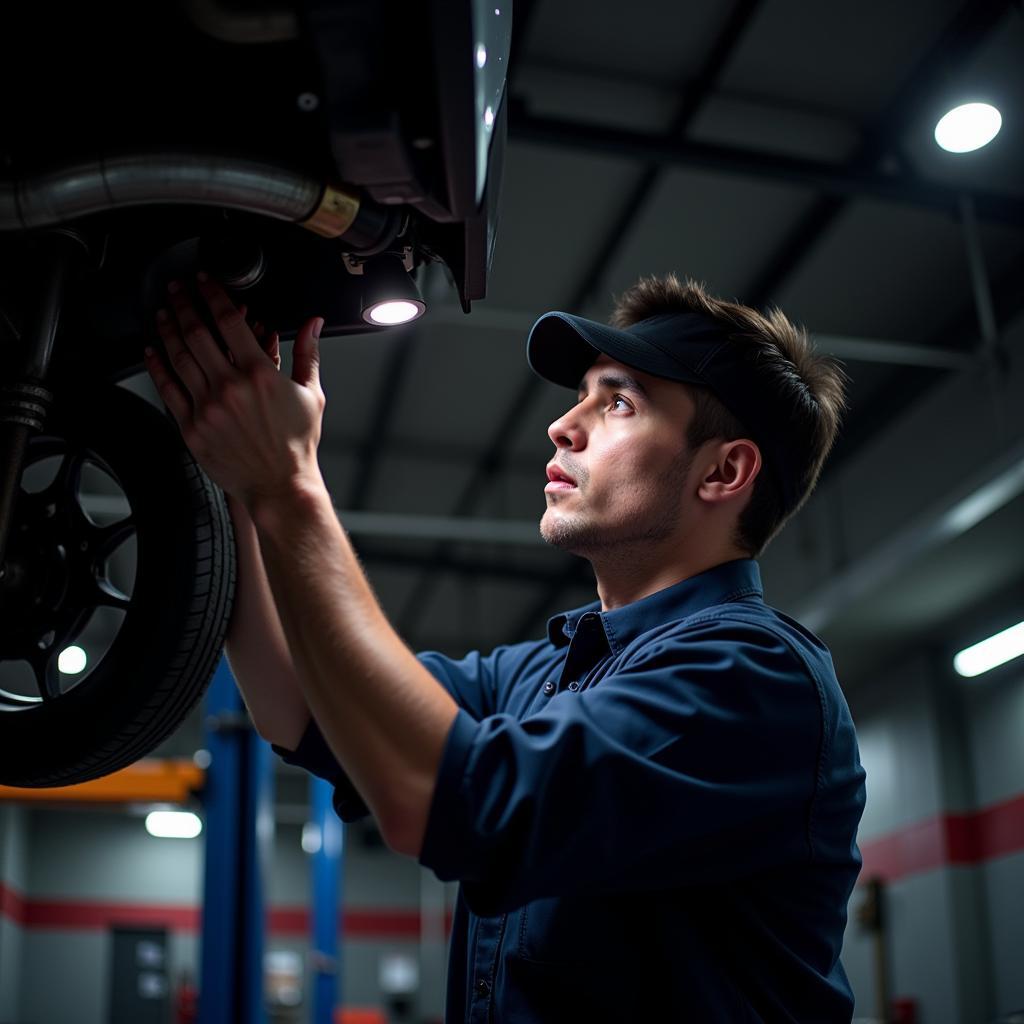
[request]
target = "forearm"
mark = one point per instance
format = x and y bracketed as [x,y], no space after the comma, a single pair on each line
[256,647]
[382,713]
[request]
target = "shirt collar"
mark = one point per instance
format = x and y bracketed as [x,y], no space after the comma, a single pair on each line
[729,581]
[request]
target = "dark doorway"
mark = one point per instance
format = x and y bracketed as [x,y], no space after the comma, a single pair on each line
[138,981]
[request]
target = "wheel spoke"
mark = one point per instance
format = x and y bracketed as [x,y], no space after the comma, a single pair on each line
[44,665]
[64,488]
[107,539]
[107,594]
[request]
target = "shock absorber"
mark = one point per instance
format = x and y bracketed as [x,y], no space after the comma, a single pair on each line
[25,400]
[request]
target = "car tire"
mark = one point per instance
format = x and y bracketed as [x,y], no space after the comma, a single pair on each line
[173,625]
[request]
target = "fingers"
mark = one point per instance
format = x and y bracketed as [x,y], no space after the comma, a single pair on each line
[230,322]
[212,361]
[271,344]
[172,395]
[180,357]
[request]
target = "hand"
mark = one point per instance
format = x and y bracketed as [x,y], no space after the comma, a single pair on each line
[253,431]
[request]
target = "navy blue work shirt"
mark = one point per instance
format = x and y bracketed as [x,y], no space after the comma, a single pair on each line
[652,814]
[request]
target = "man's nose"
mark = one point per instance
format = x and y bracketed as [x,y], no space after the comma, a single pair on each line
[566,432]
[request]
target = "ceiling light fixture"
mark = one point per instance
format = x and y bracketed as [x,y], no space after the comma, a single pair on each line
[967,127]
[173,824]
[389,294]
[990,653]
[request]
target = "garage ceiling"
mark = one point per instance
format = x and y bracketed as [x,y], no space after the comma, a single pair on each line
[779,150]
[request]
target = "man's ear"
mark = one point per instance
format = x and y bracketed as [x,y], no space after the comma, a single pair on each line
[731,471]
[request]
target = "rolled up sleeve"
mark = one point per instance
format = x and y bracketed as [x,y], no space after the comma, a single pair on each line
[695,762]
[470,681]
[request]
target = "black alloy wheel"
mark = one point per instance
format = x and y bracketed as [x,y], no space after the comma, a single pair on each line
[121,554]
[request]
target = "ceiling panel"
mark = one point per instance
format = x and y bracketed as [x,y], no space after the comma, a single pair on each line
[458,383]
[597,95]
[550,222]
[849,56]
[719,230]
[351,369]
[810,133]
[882,271]
[414,485]
[639,38]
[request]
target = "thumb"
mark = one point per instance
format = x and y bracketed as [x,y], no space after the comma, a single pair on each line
[306,353]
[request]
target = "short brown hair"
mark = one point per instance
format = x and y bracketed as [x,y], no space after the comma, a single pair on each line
[811,386]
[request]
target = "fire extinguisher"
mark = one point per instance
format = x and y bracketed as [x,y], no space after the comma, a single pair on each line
[186,1000]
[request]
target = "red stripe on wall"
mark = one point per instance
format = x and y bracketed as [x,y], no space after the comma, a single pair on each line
[292,921]
[946,840]
[12,905]
[366,924]
[87,915]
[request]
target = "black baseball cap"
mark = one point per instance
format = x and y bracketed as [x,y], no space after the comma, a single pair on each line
[688,347]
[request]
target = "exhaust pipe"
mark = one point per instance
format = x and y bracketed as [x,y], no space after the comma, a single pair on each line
[78,189]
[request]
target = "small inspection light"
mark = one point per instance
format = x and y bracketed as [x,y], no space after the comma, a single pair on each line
[394,312]
[71,661]
[389,294]
[968,127]
[481,55]
[173,824]
[990,653]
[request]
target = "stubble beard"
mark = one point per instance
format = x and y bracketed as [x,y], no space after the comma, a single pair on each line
[650,521]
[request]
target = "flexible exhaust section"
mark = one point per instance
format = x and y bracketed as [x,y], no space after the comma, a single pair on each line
[78,189]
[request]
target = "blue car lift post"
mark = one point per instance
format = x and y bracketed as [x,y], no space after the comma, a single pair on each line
[238,800]
[327,868]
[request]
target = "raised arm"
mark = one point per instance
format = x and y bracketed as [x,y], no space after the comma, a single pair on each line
[256,647]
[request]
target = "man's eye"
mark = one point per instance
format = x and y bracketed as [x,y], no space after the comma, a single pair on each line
[619,398]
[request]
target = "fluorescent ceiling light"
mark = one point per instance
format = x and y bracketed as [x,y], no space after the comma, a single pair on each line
[173,824]
[996,650]
[968,127]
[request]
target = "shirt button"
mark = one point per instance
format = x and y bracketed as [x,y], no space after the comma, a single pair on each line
[482,987]
[549,688]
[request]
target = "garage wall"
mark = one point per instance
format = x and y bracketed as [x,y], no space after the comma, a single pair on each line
[12,889]
[994,716]
[88,867]
[943,758]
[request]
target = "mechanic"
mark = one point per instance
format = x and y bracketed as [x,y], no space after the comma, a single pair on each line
[652,810]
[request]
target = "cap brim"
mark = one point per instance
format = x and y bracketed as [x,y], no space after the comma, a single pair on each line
[562,347]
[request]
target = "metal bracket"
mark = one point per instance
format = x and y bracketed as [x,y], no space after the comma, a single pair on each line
[354,264]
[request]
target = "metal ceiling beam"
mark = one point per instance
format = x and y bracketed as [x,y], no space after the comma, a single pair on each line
[966,438]
[516,532]
[453,529]
[694,93]
[861,350]
[857,178]
[491,459]
[470,568]
[958,42]
[908,385]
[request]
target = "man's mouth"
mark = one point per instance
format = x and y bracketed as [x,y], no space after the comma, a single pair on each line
[559,480]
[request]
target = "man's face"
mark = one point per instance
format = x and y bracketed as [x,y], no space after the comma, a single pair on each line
[624,447]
